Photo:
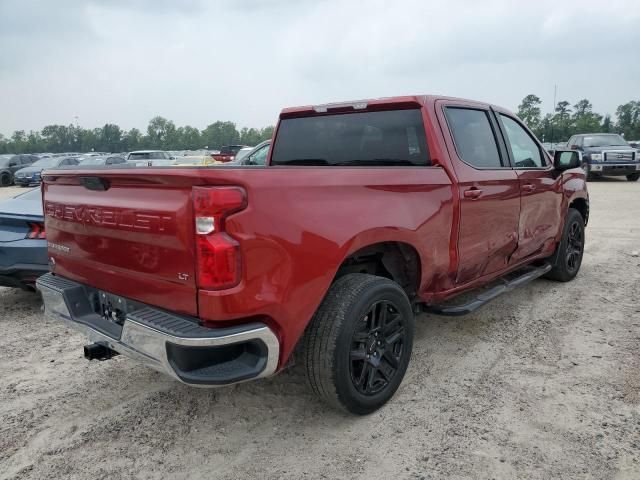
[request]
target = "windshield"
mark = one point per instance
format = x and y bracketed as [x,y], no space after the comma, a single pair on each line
[147,156]
[604,141]
[46,162]
[386,138]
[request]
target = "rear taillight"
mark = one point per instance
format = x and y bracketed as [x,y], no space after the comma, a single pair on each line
[36,231]
[218,254]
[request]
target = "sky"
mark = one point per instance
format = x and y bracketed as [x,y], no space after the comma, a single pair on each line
[197,61]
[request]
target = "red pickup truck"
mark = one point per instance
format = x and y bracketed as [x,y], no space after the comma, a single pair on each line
[366,213]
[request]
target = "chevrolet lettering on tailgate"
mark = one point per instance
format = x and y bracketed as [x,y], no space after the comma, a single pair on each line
[109,217]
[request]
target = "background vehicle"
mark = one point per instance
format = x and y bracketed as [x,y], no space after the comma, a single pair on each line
[140,155]
[104,160]
[256,156]
[31,175]
[23,248]
[369,211]
[242,153]
[227,153]
[607,154]
[10,164]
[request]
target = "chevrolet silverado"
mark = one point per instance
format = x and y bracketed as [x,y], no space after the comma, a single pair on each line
[365,214]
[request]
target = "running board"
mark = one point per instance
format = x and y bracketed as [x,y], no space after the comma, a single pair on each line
[488,295]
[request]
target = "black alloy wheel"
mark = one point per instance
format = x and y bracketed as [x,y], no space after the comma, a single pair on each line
[575,246]
[376,348]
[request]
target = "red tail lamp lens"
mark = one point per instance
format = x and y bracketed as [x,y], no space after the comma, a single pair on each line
[218,254]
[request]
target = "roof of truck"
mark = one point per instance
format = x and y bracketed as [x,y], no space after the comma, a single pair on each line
[406,101]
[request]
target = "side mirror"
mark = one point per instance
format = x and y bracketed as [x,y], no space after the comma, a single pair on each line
[172,158]
[566,159]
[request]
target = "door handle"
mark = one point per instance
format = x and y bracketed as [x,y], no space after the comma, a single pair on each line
[528,187]
[473,193]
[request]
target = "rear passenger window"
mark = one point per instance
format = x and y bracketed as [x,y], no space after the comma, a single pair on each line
[473,136]
[524,150]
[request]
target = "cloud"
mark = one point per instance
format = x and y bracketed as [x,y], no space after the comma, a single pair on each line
[196,61]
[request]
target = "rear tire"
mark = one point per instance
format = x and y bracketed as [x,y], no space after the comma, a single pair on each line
[5,180]
[358,344]
[633,177]
[568,256]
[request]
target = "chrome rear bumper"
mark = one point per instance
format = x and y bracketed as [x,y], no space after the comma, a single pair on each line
[175,345]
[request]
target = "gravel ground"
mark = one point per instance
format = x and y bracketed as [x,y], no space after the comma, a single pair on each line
[543,383]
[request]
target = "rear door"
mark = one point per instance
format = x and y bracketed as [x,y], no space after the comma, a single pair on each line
[540,187]
[130,234]
[489,189]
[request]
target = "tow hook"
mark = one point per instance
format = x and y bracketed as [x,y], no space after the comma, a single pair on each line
[98,351]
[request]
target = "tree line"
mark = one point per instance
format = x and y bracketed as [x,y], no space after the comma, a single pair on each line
[567,120]
[161,134]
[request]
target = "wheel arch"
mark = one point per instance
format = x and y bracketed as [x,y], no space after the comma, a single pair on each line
[396,260]
[581,204]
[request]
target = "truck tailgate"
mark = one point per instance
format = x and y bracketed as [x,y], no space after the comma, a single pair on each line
[129,233]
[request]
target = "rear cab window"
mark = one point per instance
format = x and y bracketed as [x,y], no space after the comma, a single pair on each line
[372,138]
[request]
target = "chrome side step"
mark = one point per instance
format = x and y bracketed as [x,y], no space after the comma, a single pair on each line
[453,310]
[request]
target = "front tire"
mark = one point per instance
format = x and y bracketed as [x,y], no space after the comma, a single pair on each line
[568,256]
[633,177]
[5,180]
[358,344]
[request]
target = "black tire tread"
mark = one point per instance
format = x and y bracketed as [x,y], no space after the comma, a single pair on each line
[559,272]
[322,334]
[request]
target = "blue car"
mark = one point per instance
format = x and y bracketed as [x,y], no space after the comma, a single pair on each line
[31,175]
[23,246]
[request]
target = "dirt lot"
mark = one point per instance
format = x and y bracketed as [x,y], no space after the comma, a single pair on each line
[543,383]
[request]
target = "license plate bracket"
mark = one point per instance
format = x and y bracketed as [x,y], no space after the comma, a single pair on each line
[112,308]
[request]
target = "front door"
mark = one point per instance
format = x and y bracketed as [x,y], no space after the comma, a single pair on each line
[489,190]
[540,187]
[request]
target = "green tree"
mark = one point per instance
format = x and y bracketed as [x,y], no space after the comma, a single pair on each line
[220,133]
[629,120]
[606,124]
[529,111]
[267,132]
[18,139]
[110,138]
[562,121]
[161,133]
[132,140]
[584,120]
[188,138]
[250,136]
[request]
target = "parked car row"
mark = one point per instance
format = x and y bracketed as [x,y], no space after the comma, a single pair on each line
[25,169]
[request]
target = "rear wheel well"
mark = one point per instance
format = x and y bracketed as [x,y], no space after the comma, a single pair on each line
[397,261]
[581,205]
